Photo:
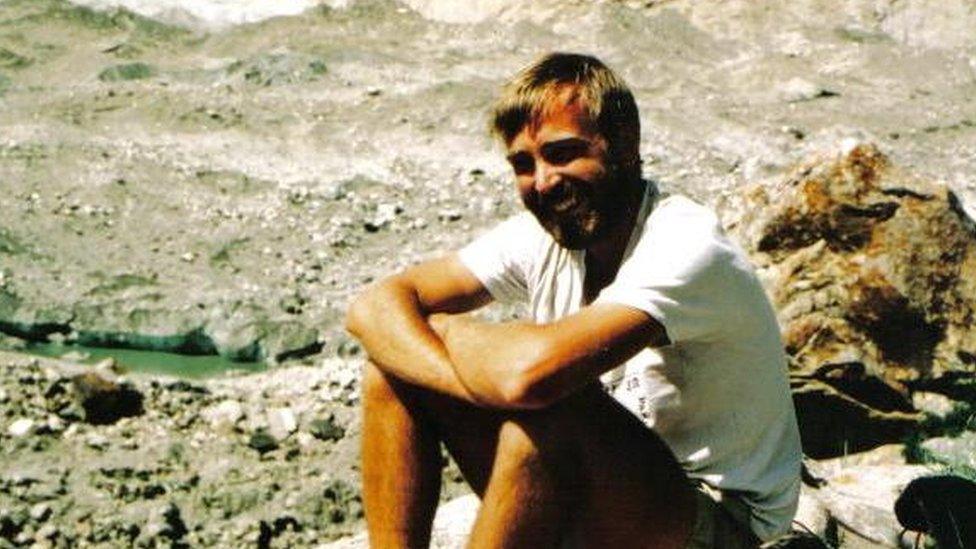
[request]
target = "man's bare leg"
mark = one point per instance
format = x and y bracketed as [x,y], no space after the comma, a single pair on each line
[524,504]
[400,465]
[585,455]
[589,466]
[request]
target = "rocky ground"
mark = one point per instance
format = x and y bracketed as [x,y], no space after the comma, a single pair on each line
[204,190]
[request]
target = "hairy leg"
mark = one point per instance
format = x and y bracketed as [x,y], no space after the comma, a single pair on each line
[400,464]
[585,460]
[588,465]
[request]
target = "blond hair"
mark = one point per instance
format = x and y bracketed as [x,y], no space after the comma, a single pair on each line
[556,79]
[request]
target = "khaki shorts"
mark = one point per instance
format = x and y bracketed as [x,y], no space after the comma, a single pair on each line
[721,523]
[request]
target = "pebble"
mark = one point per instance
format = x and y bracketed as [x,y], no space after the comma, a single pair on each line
[281,423]
[97,441]
[20,427]
[40,512]
[932,403]
[449,215]
[224,414]
[47,531]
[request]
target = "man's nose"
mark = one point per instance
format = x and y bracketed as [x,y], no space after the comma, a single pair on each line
[547,179]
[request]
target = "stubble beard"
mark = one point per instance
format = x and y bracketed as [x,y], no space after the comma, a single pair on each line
[584,215]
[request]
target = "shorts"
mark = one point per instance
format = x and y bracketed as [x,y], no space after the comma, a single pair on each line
[722,522]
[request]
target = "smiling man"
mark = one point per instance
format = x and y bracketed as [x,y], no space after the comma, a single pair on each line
[645,403]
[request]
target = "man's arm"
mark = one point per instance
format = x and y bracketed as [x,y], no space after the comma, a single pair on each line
[525,366]
[390,319]
[509,365]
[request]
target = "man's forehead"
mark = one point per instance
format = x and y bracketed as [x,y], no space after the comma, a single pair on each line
[562,116]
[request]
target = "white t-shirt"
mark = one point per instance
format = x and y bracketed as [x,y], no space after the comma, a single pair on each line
[719,393]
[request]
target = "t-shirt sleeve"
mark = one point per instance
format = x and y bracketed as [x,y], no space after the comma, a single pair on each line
[501,258]
[682,272]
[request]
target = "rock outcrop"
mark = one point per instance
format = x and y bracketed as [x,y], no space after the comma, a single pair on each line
[873,275]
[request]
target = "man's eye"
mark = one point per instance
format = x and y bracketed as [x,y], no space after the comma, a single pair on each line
[522,164]
[564,153]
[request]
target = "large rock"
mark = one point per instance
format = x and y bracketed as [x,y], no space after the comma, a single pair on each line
[855,497]
[957,451]
[106,401]
[873,275]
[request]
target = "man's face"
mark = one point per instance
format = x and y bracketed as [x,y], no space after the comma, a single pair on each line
[564,177]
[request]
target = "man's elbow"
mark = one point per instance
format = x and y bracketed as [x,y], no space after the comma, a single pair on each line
[360,314]
[528,389]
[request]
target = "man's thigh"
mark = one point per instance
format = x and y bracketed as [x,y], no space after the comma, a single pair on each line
[627,486]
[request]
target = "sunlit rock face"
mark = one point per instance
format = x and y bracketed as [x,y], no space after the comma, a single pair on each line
[873,274]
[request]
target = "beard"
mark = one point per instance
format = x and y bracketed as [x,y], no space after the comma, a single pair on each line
[579,214]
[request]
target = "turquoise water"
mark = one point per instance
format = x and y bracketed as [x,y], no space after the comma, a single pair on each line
[149,362]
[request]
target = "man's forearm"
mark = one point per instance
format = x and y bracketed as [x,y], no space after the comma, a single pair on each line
[390,323]
[494,361]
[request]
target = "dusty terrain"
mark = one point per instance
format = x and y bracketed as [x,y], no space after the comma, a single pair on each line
[226,190]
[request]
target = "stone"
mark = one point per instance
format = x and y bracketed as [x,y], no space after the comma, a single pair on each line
[21,427]
[281,423]
[860,500]
[40,512]
[223,415]
[959,450]
[933,404]
[943,507]
[127,71]
[164,522]
[48,531]
[261,441]
[872,273]
[326,429]
[105,401]
[97,441]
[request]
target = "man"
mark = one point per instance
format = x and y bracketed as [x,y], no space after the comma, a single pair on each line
[689,441]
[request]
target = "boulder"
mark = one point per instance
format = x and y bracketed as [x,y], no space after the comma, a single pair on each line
[957,451]
[873,276]
[106,401]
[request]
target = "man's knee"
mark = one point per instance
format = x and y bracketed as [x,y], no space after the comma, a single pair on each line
[538,439]
[377,388]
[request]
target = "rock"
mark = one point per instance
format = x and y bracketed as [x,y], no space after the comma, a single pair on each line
[811,514]
[452,523]
[944,507]
[960,450]
[128,71]
[21,427]
[933,404]
[165,522]
[873,275]
[833,423]
[105,401]
[281,423]
[263,442]
[798,89]
[40,512]
[326,429]
[797,540]
[860,500]
[46,532]
[97,441]
[224,415]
